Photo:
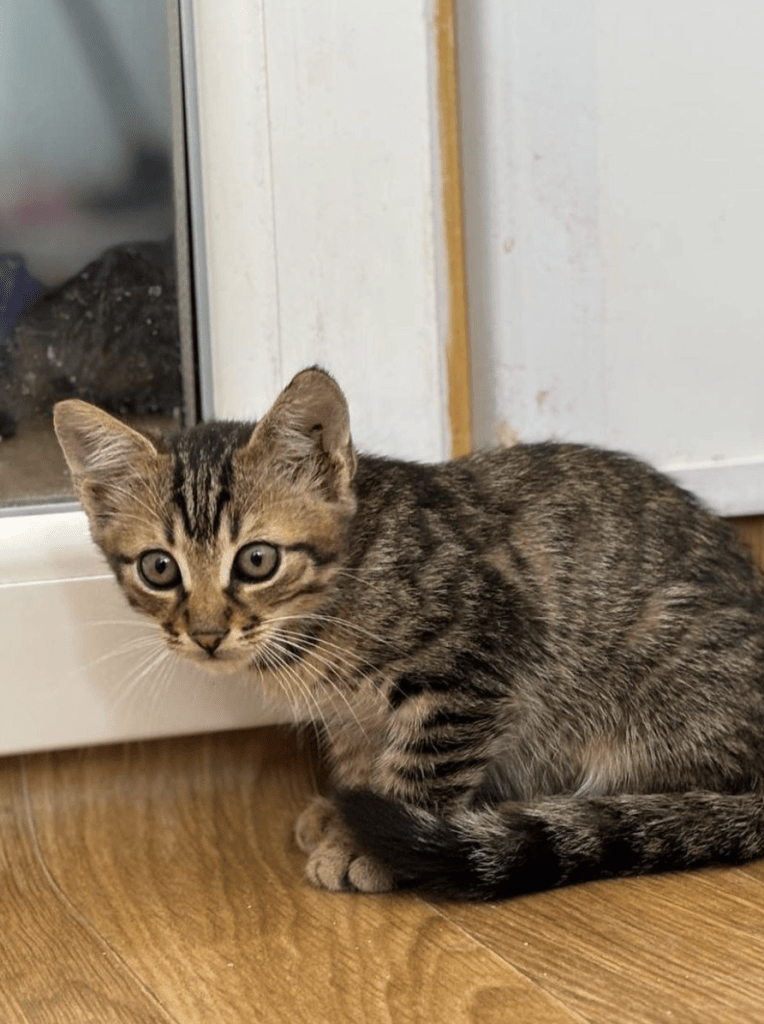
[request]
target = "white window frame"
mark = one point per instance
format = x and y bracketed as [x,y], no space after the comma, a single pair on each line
[301,256]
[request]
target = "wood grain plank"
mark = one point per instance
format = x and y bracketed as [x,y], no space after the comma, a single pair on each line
[180,853]
[686,948]
[54,967]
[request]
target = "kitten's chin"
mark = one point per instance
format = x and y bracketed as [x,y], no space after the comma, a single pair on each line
[222,665]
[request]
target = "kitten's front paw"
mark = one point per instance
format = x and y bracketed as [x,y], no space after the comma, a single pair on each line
[337,866]
[314,822]
[334,863]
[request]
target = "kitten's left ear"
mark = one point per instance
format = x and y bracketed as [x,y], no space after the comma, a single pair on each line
[94,443]
[100,451]
[307,430]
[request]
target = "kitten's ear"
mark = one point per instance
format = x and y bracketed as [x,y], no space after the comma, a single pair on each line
[98,449]
[307,431]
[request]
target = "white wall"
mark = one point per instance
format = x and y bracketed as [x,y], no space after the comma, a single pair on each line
[614,179]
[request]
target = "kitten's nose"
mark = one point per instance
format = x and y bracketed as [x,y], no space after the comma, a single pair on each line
[209,640]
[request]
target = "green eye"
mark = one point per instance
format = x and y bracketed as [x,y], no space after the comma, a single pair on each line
[256,562]
[159,570]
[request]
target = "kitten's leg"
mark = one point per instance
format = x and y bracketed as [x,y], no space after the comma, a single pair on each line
[333,860]
[436,761]
[313,823]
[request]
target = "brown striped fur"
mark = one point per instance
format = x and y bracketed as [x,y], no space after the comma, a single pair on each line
[531,666]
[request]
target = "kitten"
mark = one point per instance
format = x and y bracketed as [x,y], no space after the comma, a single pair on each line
[532,666]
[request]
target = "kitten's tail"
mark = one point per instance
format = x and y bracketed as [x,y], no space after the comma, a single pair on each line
[496,852]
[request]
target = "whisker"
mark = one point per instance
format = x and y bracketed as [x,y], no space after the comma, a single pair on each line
[335,656]
[326,679]
[285,678]
[289,673]
[363,579]
[150,660]
[135,644]
[331,659]
[318,617]
[143,623]
[159,682]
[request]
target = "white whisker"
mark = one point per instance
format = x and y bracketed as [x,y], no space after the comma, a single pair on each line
[135,644]
[333,619]
[286,677]
[154,660]
[285,645]
[145,624]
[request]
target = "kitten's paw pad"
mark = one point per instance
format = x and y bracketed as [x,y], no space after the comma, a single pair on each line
[335,865]
[314,823]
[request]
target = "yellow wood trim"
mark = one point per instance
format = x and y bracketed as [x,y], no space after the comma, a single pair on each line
[459,403]
[751,529]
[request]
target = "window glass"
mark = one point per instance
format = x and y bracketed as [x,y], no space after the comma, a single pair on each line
[89,233]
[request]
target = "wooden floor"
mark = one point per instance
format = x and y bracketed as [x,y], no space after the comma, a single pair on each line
[159,882]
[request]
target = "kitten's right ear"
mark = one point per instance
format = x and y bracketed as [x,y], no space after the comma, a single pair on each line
[306,433]
[96,445]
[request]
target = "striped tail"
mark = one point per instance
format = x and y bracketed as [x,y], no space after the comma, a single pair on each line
[493,853]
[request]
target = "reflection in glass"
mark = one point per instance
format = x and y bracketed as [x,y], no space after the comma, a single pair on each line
[88,284]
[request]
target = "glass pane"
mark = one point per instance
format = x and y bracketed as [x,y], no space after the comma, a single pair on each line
[89,237]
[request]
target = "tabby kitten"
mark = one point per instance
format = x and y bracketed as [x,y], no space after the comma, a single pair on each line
[532,666]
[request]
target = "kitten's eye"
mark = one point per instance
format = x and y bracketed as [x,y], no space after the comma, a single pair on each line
[256,562]
[159,570]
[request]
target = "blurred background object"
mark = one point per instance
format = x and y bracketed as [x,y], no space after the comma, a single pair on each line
[88,281]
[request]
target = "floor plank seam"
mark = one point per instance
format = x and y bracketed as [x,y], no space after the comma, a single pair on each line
[745,870]
[574,1014]
[74,911]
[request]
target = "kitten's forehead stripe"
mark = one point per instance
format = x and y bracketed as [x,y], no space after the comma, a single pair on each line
[235,527]
[203,475]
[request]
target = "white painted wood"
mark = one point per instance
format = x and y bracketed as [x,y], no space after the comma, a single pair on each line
[321,209]
[232,194]
[316,192]
[54,546]
[355,208]
[527,80]
[733,487]
[615,229]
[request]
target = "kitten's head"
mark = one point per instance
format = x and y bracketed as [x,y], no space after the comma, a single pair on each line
[229,532]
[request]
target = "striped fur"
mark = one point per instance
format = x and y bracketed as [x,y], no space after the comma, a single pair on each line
[531,666]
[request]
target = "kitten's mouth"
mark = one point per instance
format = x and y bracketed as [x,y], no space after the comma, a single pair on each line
[214,661]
